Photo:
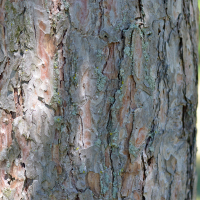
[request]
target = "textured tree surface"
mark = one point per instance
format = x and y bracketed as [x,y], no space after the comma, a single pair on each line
[98,99]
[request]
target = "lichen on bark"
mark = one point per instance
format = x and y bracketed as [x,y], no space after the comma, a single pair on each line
[98,99]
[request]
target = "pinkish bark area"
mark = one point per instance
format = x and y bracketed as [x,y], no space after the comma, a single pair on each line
[98,99]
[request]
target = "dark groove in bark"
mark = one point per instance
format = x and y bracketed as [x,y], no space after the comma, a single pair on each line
[102,15]
[144,177]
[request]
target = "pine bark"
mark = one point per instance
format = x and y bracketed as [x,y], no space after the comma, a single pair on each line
[98,99]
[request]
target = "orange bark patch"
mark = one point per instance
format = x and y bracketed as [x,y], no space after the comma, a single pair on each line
[59,169]
[127,184]
[87,144]
[44,56]
[87,123]
[137,195]
[134,168]
[46,49]
[128,177]
[128,100]
[42,26]
[87,135]
[17,172]
[87,120]
[93,180]
[56,158]
[107,157]
[87,138]
[18,187]
[110,68]
[142,133]
[49,45]
[128,106]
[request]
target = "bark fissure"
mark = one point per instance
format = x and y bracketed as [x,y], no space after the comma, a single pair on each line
[101,15]
[97,99]
[144,177]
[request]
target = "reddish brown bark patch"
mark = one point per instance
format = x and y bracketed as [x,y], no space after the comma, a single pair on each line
[56,157]
[44,56]
[128,177]
[49,45]
[110,68]
[87,119]
[87,138]
[46,50]
[42,26]
[134,168]
[93,180]
[18,187]
[17,172]
[137,195]
[127,184]
[142,133]
[128,99]
[107,157]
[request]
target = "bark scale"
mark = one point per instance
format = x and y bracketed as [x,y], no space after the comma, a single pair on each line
[98,99]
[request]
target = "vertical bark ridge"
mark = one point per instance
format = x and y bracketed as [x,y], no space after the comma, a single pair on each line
[98,99]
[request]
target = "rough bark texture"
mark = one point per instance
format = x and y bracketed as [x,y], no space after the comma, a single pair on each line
[98,99]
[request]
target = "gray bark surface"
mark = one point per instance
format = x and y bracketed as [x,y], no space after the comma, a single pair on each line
[98,99]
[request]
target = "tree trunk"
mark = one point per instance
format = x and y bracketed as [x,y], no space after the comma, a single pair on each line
[98,99]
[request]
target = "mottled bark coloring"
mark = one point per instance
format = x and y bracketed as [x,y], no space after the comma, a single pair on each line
[98,99]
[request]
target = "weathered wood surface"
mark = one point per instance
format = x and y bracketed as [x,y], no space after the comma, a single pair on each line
[98,99]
